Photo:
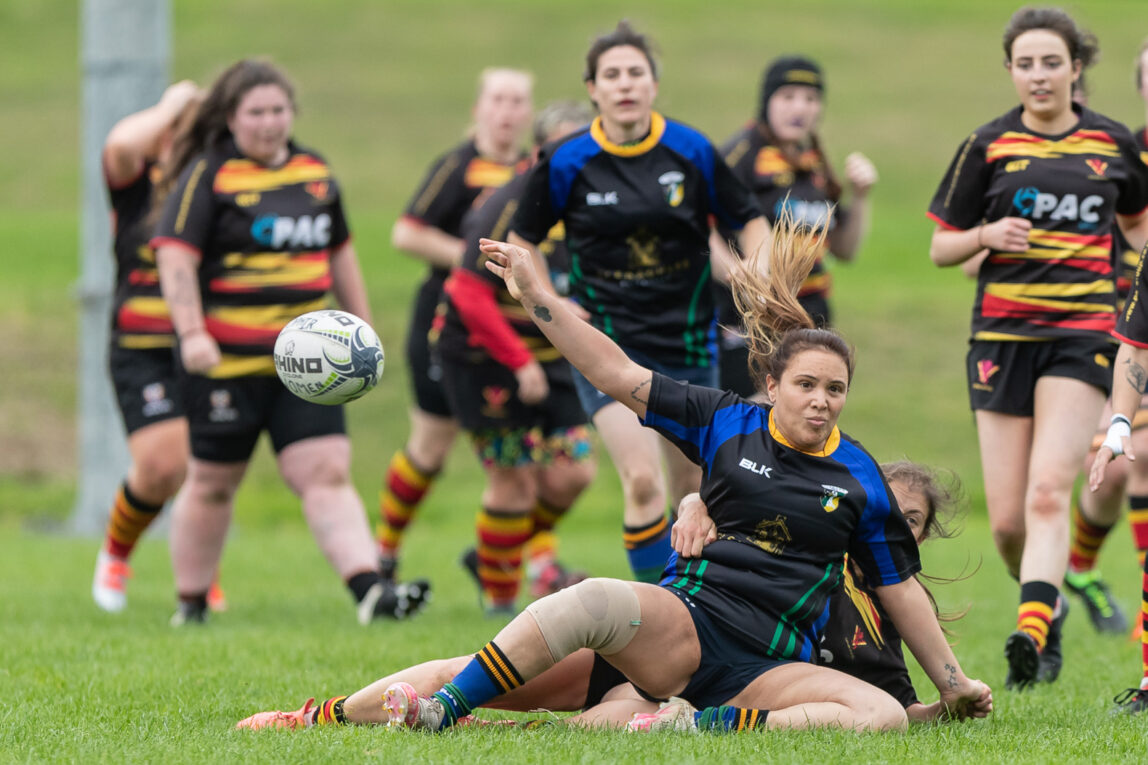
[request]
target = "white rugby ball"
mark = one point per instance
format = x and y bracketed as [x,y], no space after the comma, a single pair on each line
[328,357]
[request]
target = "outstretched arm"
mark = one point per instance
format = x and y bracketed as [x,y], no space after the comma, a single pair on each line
[596,356]
[909,608]
[1129,384]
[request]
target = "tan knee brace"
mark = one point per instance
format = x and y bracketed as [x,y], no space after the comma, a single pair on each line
[602,614]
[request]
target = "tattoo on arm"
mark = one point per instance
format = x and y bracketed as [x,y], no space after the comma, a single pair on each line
[543,313]
[952,681]
[1137,376]
[634,394]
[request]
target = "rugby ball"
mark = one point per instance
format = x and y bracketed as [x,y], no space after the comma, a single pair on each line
[328,357]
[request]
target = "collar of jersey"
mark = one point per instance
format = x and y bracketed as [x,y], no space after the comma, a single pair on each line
[831,443]
[657,128]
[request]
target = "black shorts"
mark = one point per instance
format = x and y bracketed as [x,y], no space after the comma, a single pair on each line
[1002,375]
[727,665]
[148,385]
[226,416]
[424,367]
[604,677]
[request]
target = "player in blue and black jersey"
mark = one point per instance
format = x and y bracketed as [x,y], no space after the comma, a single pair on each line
[1041,187]
[430,228]
[251,234]
[790,495]
[636,193]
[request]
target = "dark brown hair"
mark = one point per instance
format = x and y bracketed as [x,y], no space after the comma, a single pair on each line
[1081,44]
[623,34]
[209,128]
[777,327]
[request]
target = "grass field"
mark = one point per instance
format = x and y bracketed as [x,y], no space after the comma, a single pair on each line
[385,86]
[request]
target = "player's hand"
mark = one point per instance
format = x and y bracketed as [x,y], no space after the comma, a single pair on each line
[860,173]
[967,698]
[514,266]
[1117,441]
[198,351]
[1006,234]
[694,529]
[178,95]
[532,385]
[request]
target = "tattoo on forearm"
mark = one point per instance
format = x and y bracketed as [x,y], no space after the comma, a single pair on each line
[1137,376]
[543,313]
[952,681]
[638,389]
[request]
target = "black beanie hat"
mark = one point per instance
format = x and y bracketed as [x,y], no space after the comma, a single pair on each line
[789,70]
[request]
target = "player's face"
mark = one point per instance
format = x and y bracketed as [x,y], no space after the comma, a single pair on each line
[624,87]
[1042,73]
[503,110]
[262,123]
[808,398]
[914,506]
[793,112]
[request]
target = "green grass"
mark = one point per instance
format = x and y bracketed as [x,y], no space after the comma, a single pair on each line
[384,87]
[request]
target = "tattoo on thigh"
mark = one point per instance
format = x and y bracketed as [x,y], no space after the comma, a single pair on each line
[1137,376]
[542,312]
[638,388]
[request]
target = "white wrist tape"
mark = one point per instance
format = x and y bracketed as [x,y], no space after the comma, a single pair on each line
[1117,432]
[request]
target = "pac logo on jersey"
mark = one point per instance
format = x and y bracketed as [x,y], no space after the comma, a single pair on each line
[672,186]
[831,497]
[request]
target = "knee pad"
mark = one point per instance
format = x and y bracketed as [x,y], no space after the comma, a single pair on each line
[601,614]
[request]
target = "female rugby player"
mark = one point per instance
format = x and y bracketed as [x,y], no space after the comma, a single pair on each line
[251,234]
[636,193]
[1041,187]
[431,229]
[779,157]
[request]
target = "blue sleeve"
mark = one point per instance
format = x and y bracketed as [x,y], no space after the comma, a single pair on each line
[882,545]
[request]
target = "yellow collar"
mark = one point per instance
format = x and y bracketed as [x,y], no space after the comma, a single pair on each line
[657,128]
[831,443]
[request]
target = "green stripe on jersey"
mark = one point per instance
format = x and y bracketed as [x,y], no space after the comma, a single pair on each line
[595,308]
[696,350]
[785,621]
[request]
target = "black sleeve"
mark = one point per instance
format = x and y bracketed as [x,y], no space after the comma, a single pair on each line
[735,204]
[1132,326]
[188,213]
[441,194]
[535,215]
[960,199]
[1133,197]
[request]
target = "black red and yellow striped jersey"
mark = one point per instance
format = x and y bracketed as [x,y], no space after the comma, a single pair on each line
[785,519]
[1071,187]
[140,318]
[799,187]
[637,222]
[265,237]
[860,640]
[479,318]
[457,182]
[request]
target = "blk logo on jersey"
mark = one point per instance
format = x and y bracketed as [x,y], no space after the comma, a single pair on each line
[284,232]
[1033,203]
[601,199]
[831,497]
[672,185]
[753,467]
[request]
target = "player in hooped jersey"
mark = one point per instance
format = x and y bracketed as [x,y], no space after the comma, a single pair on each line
[513,394]
[141,357]
[1130,386]
[780,159]
[636,193]
[1041,187]
[789,494]
[1098,511]
[251,234]
[431,229]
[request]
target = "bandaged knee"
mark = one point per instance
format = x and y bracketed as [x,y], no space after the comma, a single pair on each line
[601,614]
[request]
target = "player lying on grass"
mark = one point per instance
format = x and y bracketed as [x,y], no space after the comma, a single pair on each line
[737,626]
[858,640]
